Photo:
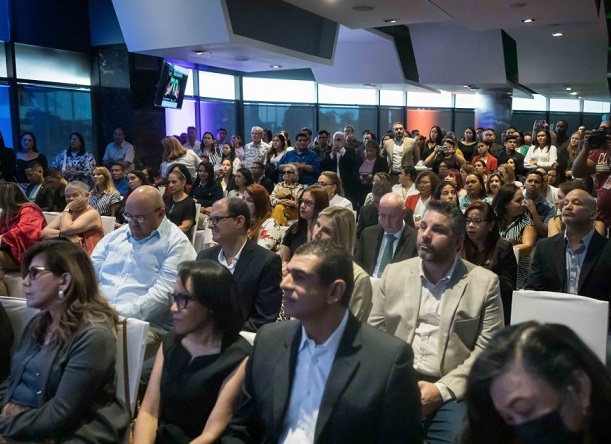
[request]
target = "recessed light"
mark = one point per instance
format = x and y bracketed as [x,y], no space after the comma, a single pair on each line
[201,52]
[275,66]
[528,20]
[363,8]
[568,88]
[557,34]
[573,93]
[390,21]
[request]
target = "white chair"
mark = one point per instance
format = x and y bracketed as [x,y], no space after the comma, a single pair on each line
[19,314]
[14,284]
[194,227]
[131,343]
[249,336]
[108,224]
[50,216]
[586,316]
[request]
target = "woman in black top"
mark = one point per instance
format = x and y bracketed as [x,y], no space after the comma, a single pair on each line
[179,206]
[206,190]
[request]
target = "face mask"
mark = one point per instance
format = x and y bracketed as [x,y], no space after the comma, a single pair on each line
[547,429]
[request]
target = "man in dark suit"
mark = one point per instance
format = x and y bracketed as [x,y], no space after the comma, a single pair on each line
[256,271]
[327,377]
[257,170]
[342,160]
[37,190]
[581,244]
[369,214]
[392,240]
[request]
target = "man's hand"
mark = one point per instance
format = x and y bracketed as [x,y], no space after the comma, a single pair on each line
[429,397]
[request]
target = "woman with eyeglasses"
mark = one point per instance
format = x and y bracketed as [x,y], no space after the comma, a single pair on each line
[332,184]
[484,246]
[62,386]
[243,178]
[516,226]
[200,366]
[179,206]
[79,222]
[286,194]
[313,200]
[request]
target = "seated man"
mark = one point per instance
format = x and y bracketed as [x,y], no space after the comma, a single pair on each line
[79,222]
[541,211]
[37,190]
[137,264]
[326,377]
[117,173]
[58,183]
[390,241]
[447,309]
[256,270]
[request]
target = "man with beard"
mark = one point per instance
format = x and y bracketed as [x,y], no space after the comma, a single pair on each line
[447,309]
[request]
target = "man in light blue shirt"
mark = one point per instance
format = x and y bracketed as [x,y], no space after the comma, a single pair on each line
[137,264]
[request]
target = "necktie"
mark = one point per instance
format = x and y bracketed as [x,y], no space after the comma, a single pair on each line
[387,254]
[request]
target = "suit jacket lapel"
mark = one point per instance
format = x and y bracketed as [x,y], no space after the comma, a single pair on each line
[378,245]
[345,364]
[413,298]
[597,244]
[450,300]
[245,258]
[282,379]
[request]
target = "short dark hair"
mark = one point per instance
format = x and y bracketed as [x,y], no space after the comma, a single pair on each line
[321,132]
[538,173]
[257,162]
[510,137]
[237,207]
[117,164]
[305,129]
[301,134]
[214,288]
[52,172]
[247,175]
[411,171]
[452,212]
[334,263]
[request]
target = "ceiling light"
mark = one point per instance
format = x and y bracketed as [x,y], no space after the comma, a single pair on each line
[568,88]
[528,20]
[363,8]
[201,52]
[275,66]
[574,93]
[390,21]
[557,34]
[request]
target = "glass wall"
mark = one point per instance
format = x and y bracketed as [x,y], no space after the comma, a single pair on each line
[335,118]
[215,115]
[278,90]
[3,72]
[52,65]
[177,120]
[275,117]
[52,114]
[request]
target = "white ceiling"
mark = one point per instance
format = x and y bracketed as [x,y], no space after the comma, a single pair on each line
[546,64]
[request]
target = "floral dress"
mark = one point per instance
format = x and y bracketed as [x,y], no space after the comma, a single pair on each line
[74,166]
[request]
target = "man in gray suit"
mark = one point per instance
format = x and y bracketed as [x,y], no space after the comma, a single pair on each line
[326,378]
[392,240]
[447,309]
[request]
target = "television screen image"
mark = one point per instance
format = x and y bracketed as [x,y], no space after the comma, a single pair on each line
[171,86]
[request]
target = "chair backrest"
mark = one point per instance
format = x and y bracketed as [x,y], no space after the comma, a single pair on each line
[131,344]
[586,316]
[194,227]
[19,314]
[108,224]
[249,336]
[50,215]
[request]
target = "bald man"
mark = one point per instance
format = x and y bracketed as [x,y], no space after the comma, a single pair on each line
[582,257]
[390,241]
[137,264]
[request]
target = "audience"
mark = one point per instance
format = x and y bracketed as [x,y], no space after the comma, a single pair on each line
[256,270]
[63,378]
[199,368]
[174,152]
[286,194]
[226,177]
[342,161]
[555,224]
[446,192]
[103,197]
[494,181]
[476,191]
[372,163]
[406,186]
[78,222]
[370,392]
[119,151]
[38,191]
[257,170]
[205,189]
[336,224]
[540,209]
[264,230]
[243,178]
[119,180]
[542,153]
[303,158]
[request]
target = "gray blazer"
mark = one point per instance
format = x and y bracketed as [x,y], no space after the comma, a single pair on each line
[77,401]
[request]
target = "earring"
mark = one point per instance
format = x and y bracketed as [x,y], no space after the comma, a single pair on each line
[60,294]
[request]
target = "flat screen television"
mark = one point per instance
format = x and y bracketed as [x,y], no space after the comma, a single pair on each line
[171,86]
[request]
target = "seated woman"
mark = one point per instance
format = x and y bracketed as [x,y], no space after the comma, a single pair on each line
[426,184]
[483,246]
[332,183]
[264,230]
[226,178]
[555,224]
[21,224]
[476,191]
[313,200]
[79,222]
[516,226]
[286,194]
[63,380]
[179,206]
[455,177]
[537,384]
[494,182]
[104,198]
[206,190]
[446,192]
[243,178]
[337,224]
[406,186]
[200,366]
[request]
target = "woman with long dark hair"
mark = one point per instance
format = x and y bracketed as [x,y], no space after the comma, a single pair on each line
[243,178]
[468,144]
[542,153]
[264,230]
[206,190]
[76,163]
[27,155]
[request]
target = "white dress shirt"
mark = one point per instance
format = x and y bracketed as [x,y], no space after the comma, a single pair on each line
[312,370]
[236,258]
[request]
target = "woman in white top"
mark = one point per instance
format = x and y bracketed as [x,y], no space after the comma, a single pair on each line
[542,153]
[332,184]
[173,153]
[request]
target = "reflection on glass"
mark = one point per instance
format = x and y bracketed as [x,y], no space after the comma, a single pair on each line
[334,118]
[215,115]
[5,116]
[276,117]
[177,120]
[52,65]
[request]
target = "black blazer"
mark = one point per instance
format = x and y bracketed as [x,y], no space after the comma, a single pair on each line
[347,170]
[45,197]
[266,183]
[369,215]
[371,395]
[369,247]
[257,274]
[548,270]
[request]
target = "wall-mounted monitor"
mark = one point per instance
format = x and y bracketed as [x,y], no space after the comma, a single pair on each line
[171,86]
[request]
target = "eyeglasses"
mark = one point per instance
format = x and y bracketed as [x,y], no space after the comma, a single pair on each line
[323,184]
[215,220]
[34,272]
[475,220]
[181,299]
[288,172]
[307,203]
[140,219]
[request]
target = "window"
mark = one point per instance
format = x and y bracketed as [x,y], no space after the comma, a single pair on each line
[466,101]
[429,100]
[335,118]
[52,65]
[3,72]
[177,120]
[388,116]
[279,90]
[348,96]
[591,106]
[5,116]
[216,86]
[564,105]
[215,115]
[537,103]
[276,117]
[390,97]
